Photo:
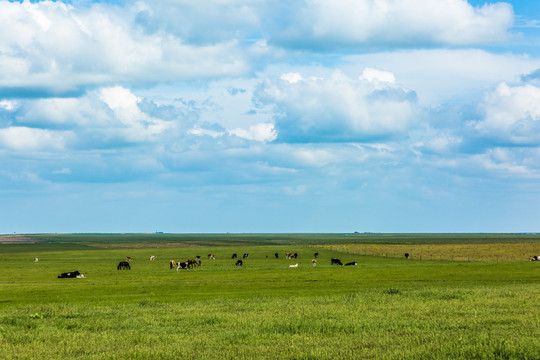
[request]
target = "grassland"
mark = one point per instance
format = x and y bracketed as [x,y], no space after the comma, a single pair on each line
[384,308]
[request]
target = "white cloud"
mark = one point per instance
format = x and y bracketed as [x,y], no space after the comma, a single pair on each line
[338,108]
[57,48]
[438,75]
[331,23]
[511,114]
[258,132]
[376,76]
[28,139]
[8,105]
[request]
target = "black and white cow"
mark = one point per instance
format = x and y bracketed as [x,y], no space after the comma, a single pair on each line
[336,262]
[246,255]
[316,255]
[353,263]
[234,256]
[239,263]
[73,274]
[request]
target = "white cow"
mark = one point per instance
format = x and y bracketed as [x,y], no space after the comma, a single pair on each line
[152,258]
[36,259]
[294,266]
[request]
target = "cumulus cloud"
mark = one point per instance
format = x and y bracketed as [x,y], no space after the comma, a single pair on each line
[511,115]
[55,48]
[110,116]
[337,23]
[338,108]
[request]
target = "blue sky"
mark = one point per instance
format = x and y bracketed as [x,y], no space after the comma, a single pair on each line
[268,116]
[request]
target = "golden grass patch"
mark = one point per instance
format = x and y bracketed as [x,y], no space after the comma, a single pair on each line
[453,252]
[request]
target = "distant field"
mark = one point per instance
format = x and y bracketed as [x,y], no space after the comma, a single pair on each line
[275,239]
[452,252]
[386,307]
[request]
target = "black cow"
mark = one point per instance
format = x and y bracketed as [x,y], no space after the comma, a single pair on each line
[246,255]
[316,255]
[239,263]
[336,261]
[406,255]
[123,265]
[69,274]
[276,255]
[351,263]
[234,256]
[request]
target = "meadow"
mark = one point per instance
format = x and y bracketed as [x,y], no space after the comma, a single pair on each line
[386,307]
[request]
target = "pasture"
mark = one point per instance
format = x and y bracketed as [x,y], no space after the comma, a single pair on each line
[384,308]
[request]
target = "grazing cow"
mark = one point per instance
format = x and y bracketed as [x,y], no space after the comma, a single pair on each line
[197,257]
[36,259]
[316,255]
[314,262]
[213,257]
[129,258]
[351,263]
[239,263]
[246,255]
[276,255]
[294,266]
[209,256]
[123,265]
[191,263]
[172,264]
[73,274]
[182,265]
[295,255]
[336,261]
[406,255]
[234,256]
[289,256]
[152,258]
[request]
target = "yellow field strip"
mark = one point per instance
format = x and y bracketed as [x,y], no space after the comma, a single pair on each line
[453,252]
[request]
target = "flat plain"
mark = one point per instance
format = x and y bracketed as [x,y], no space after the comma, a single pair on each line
[433,306]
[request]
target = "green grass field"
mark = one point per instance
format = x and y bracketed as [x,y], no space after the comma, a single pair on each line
[383,308]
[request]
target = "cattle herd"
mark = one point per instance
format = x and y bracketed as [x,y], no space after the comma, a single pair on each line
[191,263]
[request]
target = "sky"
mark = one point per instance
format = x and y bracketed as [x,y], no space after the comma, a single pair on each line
[267,116]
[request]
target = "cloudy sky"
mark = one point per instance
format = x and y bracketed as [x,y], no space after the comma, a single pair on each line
[269,116]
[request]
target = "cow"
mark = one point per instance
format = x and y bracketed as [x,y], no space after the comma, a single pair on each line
[36,259]
[335,261]
[535,258]
[406,255]
[239,263]
[172,264]
[129,258]
[314,262]
[73,274]
[353,263]
[123,265]
[234,256]
[213,257]
[191,263]
[316,255]
[295,255]
[246,255]
[294,266]
[152,258]
[197,257]
[182,265]
[276,255]
[289,256]
[209,256]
